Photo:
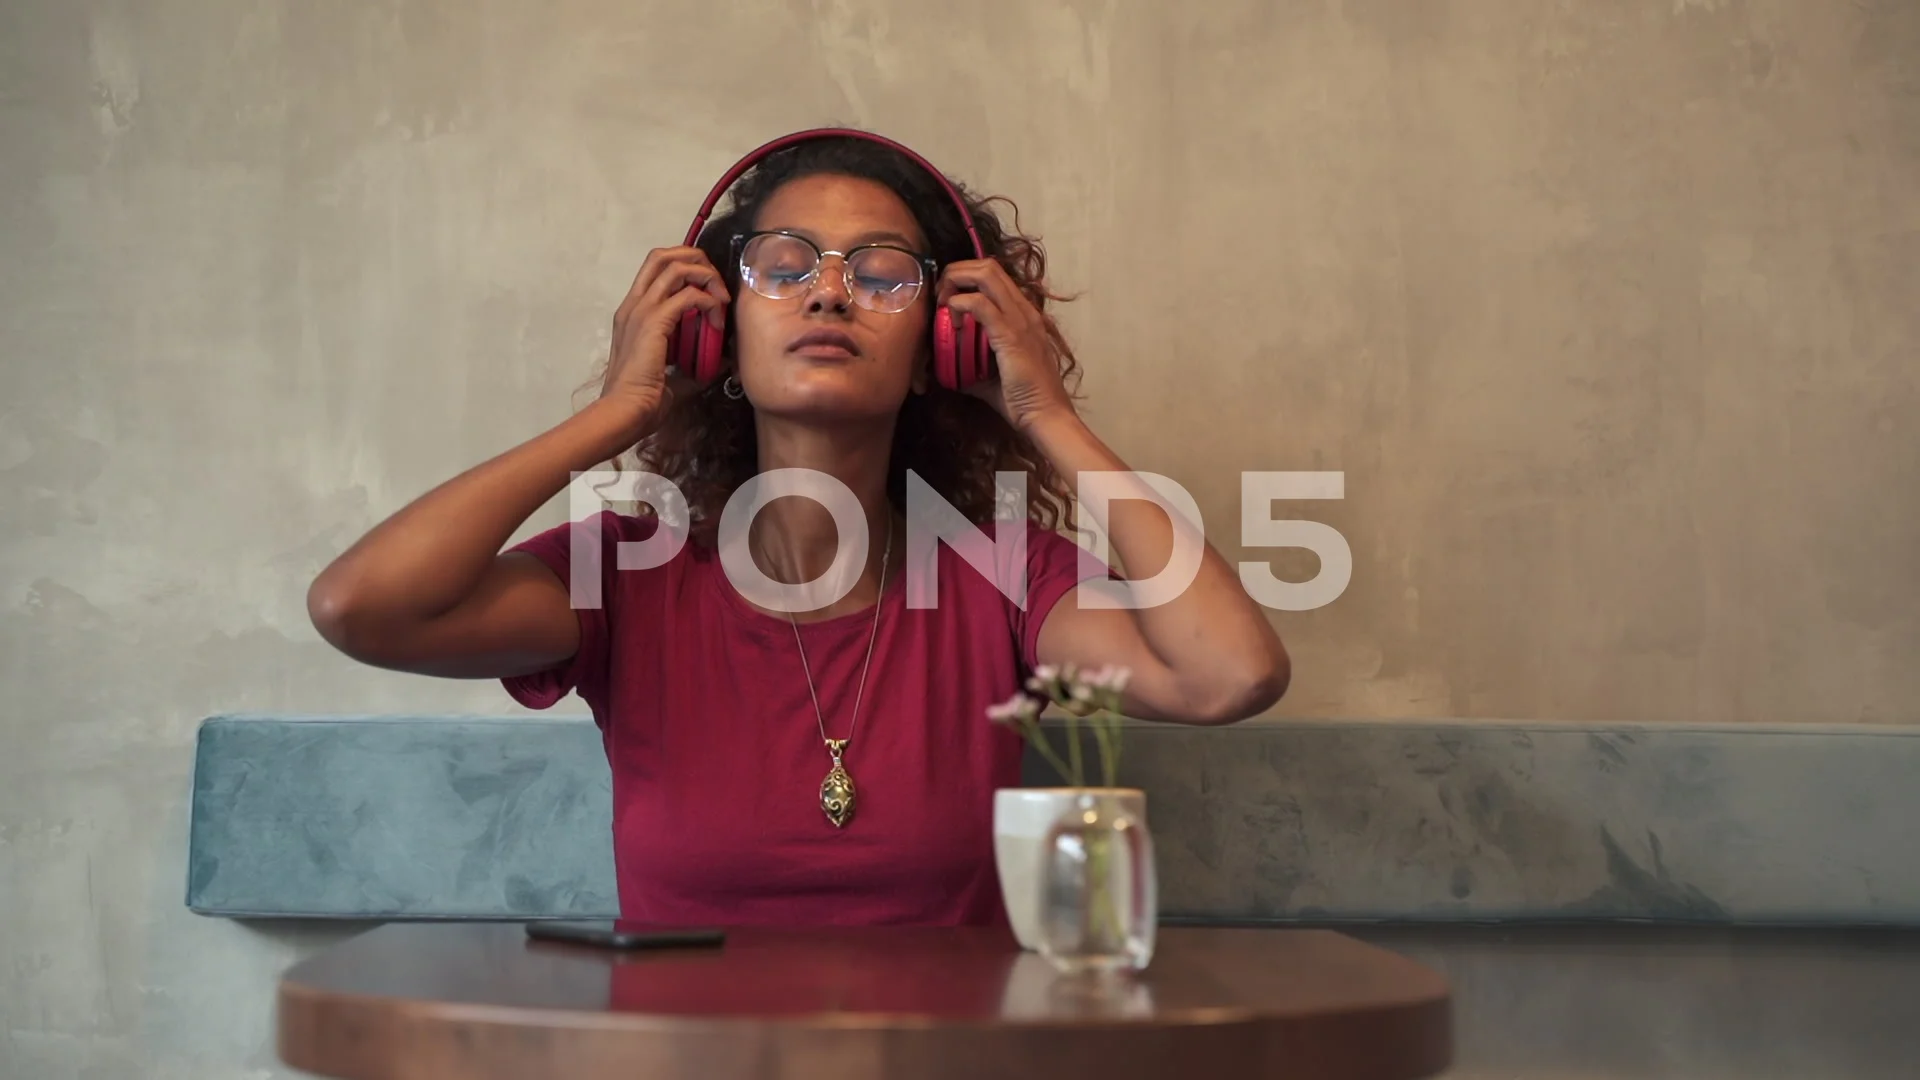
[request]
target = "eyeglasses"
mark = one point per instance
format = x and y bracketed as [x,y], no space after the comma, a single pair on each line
[879,277]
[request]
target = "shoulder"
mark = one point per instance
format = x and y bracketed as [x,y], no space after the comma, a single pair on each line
[1006,556]
[1055,564]
[592,537]
[1024,567]
[604,553]
[1046,546]
[604,527]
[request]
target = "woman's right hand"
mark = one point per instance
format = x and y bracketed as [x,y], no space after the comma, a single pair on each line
[671,282]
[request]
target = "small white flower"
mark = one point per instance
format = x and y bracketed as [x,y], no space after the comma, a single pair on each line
[1050,681]
[1016,708]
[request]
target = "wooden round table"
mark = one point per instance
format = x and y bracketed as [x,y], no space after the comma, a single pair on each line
[453,1001]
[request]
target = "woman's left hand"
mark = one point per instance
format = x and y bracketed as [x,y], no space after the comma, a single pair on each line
[1029,385]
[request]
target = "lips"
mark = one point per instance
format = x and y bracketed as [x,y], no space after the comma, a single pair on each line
[824,343]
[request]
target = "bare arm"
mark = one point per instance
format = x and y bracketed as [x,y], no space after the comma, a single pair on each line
[428,590]
[1208,655]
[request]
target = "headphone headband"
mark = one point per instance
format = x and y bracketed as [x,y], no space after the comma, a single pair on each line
[764,151]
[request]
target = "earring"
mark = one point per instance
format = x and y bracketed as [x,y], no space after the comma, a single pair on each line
[732,388]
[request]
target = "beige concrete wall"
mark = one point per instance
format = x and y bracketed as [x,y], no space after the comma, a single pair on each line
[1606,309]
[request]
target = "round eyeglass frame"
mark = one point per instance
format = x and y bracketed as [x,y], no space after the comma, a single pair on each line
[930,267]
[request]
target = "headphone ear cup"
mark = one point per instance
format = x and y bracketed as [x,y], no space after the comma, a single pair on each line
[983,367]
[680,345]
[973,343]
[695,345]
[945,349]
[713,340]
[983,358]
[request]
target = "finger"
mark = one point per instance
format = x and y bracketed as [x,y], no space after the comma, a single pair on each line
[663,318]
[644,277]
[981,275]
[982,307]
[708,277]
[692,298]
[717,288]
[682,274]
[696,272]
[657,262]
[666,316]
[950,281]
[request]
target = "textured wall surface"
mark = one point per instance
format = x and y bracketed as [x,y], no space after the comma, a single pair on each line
[1606,310]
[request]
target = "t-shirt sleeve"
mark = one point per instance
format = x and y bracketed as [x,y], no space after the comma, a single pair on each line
[594,599]
[1055,566]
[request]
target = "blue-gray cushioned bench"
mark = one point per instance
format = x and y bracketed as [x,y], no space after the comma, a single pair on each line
[424,817]
[1590,892]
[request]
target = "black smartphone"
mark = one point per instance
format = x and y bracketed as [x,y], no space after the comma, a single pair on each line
[621,934]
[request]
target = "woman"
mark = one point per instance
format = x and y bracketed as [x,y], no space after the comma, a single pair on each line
[721,716]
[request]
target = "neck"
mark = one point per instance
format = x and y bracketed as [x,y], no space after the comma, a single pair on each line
[795,539]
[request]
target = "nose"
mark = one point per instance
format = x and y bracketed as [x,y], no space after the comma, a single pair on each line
[829,291]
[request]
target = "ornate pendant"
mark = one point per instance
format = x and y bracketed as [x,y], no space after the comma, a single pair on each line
[836,791]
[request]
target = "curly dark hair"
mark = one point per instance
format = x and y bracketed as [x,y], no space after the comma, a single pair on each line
[954,441]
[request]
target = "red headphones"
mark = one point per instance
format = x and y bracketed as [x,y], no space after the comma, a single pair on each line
[961,355]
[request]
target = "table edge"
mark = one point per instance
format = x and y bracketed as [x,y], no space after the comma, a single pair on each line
[298,995]
[318,1018]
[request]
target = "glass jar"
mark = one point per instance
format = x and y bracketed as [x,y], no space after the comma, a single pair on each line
[1099,892]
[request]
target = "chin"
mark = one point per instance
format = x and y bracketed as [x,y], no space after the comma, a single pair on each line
[829,393]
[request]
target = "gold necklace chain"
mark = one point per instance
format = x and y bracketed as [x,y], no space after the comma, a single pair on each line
[836,791]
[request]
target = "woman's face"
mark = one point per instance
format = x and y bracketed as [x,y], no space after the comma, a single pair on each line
[876,356]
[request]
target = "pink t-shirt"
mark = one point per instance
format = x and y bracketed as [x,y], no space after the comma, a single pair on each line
[716,753]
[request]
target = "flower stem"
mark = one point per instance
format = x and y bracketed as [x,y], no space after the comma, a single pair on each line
[1073,749]
[1104,737]
[1037,736]
[1103,916]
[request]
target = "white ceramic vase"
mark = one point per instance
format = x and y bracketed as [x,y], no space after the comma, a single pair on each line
[1023,818]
